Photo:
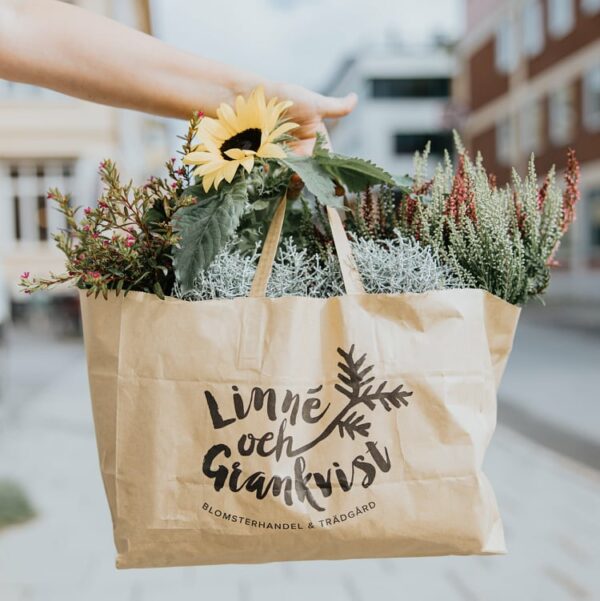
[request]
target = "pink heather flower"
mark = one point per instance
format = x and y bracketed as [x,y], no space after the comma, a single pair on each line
[102,204]
[129,241]
[102,165]
[174,185]
[87,210]
[86,228]
[25,275]
[181,171]
[95,275]
[95,235]
[51,195]
[199,114]
[571,193]
[542,194]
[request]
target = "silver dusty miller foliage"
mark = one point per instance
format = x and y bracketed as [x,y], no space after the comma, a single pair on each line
[389,266]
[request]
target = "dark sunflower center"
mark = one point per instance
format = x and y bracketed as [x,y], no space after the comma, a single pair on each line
[249,139]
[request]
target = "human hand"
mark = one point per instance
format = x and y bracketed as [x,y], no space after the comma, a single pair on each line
[308,111]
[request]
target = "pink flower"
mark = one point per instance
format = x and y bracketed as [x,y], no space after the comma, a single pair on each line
[86,228]
[102,204]
[94,275]
[95,235]
[199,114]
[174,185]
[102,165]
[129,241]
[180,171]
[25,275]
[51,195]
[87,210]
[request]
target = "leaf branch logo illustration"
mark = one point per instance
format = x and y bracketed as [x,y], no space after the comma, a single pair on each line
[357,387]
[356,384]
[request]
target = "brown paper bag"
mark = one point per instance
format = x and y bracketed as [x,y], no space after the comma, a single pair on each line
[259,429]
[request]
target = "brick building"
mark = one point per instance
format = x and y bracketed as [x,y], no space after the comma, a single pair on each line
[530,82]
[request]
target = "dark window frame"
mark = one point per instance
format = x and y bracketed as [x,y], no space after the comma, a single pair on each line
[410,87]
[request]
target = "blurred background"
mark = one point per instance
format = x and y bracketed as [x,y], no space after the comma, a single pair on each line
[513,77]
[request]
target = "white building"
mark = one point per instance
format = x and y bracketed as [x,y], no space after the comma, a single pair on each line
[50,140]
[404,95]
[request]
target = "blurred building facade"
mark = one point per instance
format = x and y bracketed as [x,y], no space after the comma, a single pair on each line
[529,81]
[404,95]
[50,140]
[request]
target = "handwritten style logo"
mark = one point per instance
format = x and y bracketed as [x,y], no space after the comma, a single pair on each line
[356,385]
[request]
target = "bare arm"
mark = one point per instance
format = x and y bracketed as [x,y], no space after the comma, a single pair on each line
[55,45]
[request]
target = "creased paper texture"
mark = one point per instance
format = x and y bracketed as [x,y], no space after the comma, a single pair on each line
[258,429]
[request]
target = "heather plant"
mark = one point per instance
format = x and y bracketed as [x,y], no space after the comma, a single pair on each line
[500,239]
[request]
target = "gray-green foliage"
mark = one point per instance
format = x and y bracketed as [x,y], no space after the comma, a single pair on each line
[392,266]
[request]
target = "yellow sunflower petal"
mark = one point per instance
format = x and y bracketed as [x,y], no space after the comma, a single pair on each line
[230,169]
[282,129]
[276,112]
[207,181]
[197,158]
[210,167]
[229,119]
[247,163]
[212,129]
[218,179]
[241,109]
[271,151]
[236,153]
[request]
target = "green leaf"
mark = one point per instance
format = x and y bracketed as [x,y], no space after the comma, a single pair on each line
[159,291]
[354,173]
[153,216]
[204,229]
[197,191]
[261,204]
[315,178]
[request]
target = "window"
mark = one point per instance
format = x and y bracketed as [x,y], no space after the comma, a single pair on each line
[506,47]
[561,17]
[591,99]
[533,28]
[409,143]
[423,87]
[530,127]
[33,220]
[590,7]
[594,223]
[504,141]
[561,116]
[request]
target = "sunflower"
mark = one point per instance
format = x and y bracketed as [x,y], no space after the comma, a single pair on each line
[237,136]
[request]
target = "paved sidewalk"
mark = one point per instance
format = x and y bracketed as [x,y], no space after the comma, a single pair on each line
[551,388]
[550,507]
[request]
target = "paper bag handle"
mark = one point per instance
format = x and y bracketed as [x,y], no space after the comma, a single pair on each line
[350,275]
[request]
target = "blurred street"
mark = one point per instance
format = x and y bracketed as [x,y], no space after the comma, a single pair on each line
[549,502]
